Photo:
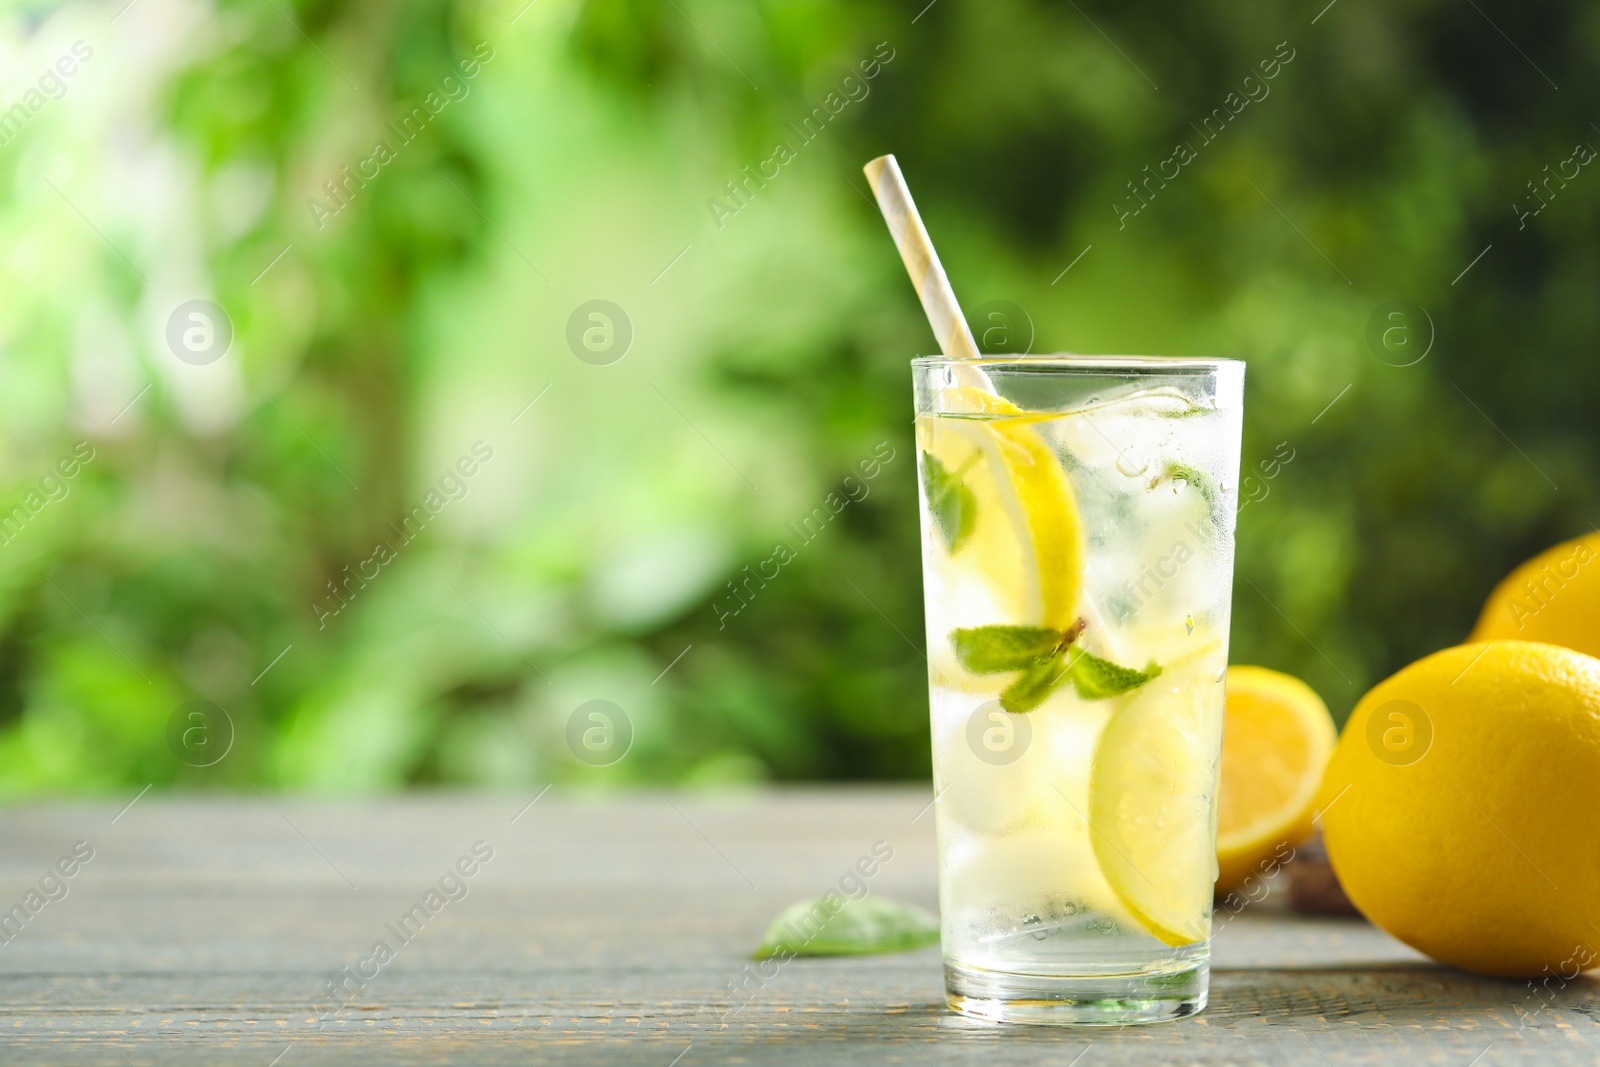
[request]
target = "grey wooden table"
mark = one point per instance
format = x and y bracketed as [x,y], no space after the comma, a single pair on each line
[617,931]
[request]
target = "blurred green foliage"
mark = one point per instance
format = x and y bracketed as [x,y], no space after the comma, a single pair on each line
[587,558]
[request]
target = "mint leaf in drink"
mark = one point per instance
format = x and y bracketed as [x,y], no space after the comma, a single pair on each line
[1096,679]
[835,925]
[1034,684]
[1039,652]
[992,649]
[1182,472]
[1201,483]
[1046,658]
[954,508]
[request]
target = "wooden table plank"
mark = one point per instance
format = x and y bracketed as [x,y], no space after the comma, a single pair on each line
[616,930]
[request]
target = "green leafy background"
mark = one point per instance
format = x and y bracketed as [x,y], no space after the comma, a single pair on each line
[767,364]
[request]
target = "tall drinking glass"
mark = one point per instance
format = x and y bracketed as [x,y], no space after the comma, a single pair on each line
[1077,546]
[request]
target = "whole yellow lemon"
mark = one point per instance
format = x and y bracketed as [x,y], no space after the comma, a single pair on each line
[1459,803]
[1554,597]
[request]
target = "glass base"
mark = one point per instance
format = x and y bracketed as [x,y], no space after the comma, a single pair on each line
[1077,1000]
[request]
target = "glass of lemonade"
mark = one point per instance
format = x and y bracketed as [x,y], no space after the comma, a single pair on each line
[1077,545]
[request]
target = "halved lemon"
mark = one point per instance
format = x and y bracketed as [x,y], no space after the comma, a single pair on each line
[1276,742]
[1150,790]
[1023,498]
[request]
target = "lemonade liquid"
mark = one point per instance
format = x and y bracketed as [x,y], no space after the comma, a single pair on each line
[1077,531]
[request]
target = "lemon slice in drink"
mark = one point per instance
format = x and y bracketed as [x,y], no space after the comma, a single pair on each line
[1151,816]
[1022,500]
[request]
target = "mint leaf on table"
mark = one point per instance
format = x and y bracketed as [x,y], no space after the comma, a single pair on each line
[1096,679]
[834,925]
[992,649]
[954,508]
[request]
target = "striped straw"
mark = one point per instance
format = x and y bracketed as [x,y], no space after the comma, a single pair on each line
[922,262]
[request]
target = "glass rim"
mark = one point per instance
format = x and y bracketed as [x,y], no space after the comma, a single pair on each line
[1071,361]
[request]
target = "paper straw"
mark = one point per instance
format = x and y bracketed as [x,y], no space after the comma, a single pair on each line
[922,262]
